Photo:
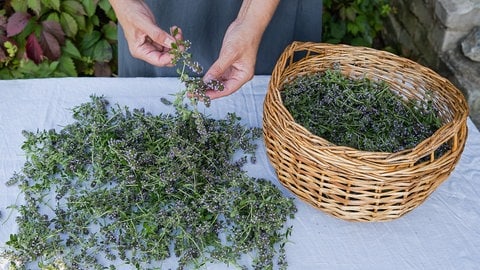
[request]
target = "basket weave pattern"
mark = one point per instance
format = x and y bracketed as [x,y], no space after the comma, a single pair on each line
[348,183]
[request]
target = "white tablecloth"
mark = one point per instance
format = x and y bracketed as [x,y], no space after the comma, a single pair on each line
[442,233]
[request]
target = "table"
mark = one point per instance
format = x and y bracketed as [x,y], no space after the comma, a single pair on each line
[442,233]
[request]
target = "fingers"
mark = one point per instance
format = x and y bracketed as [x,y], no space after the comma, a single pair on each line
[217,69]
[159,36]
[154,57]
[232,80]
[154,49]
[230,87]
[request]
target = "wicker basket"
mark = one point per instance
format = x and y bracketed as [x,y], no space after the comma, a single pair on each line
[348,183]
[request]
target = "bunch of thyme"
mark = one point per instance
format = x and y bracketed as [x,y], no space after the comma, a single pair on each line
[135,189]
[195,88]
[359,113]
[121,187]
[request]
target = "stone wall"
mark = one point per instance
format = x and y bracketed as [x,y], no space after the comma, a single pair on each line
[430,32]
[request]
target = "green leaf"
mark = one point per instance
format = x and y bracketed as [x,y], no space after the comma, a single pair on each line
[102,51]
[350,13]
[88,41]
[35,6]
[81,21]
[19,5]
[358,41]
[53,65]
[362,23]
[74,8]
[104,5]
[77,11]
[30,70]
[338,30]
[55,4]
[53,16]
[69,24]
[352,28]
[110,31]
[67,66]
[71,50]
[107,8]
[90,6]
[11,48]
[95,20]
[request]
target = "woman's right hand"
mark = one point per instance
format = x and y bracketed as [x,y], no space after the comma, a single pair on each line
[146,41]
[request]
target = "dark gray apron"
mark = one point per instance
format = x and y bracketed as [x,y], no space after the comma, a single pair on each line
[204,23]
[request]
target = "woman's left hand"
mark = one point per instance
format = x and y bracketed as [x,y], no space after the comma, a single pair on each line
[236,62]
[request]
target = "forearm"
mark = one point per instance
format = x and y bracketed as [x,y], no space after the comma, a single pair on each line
[256,15]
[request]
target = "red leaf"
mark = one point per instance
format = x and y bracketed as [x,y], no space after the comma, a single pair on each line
[50,46]
[34,50]
[55,29]
[16,23]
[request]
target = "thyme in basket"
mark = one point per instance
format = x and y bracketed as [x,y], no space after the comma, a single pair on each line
[359,113]
[121,187]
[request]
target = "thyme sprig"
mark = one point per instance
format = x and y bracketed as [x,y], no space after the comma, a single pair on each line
[195,87]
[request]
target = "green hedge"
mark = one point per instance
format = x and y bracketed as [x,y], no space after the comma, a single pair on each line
[355,22]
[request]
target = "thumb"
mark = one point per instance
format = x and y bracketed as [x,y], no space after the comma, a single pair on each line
[216,70]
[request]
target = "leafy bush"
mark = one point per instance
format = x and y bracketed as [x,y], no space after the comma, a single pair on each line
[54,38]
[355,22]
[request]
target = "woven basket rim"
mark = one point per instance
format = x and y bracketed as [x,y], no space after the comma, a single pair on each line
[387,156]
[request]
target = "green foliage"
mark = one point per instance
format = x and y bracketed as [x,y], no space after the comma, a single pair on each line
[355,22]
[54,38]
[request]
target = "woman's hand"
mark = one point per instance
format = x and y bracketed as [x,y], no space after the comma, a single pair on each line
[146,41]
[236,62]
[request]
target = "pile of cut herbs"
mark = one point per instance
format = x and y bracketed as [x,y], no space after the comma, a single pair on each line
[122,188]
[360,113]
